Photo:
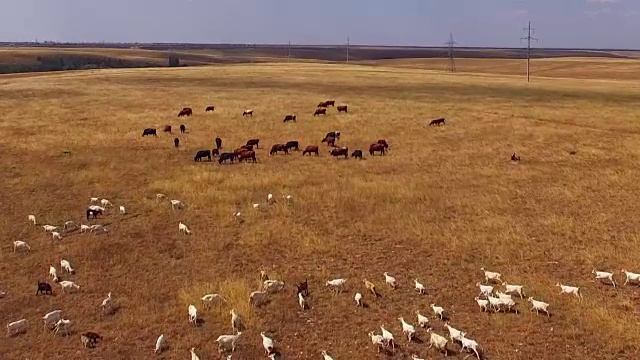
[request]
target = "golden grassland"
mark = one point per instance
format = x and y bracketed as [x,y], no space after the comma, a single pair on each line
[444,202]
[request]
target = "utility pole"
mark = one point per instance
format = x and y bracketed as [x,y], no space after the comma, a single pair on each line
[347,49]
[289,52]
[530,32]
[452,62]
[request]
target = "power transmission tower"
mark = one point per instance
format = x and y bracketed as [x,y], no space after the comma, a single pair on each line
[452,62]
[530,32]
[347,49]
[289,52]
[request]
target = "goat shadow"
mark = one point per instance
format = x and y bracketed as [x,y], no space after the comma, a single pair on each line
[200,322]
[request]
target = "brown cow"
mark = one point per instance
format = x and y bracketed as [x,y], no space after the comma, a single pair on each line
[322,105]
[185,112]
[239,151]
[279,147]
[253,142]
[437,122]
[376,147]
[289,118]
[215,152]
[247,112]
[321,111]
[343,151]
[210,108]
[331,141]
[311,149]
[330,103]
[247,155]
[514,157]
[167,128]
[342,108]
[383,142]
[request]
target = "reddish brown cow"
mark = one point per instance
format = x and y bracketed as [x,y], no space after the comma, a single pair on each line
[383,142]
[167,128]
[239,151]
[437,122]
[311,149]
[322,111]
[322,105]
[248,155]
[185,112]
[330,103]
[344,151]
[215,152]
[253,142]
[331,141]
[210,108]
[342,108]
[279,147]
[376,147]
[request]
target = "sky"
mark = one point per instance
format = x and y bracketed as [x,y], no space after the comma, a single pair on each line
[499,23]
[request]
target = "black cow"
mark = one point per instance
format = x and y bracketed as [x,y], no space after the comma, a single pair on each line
[183,129]
[218,143]
[226,156]
[176,142]
[289,118]
[93,213]
[334,134]
[210,108]
[320,111]
[253,142]
[292,145]
[149,131]
[357,154]
[44,288]
[185,112]
[202,153]
[342,108]
[437,122]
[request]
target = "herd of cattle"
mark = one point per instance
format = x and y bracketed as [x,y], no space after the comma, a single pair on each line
[247,152]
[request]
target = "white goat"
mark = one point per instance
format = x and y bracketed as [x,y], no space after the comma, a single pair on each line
[51,318]
[225,340]
[483,304]
[439,341]
[105,203]
[97,228]
[469,344]
[122,210]
[539,306]
[302,301]
[49,228]
[387,338]
[630,277]
[16,327]
[84,228]
[513,289]
[326,356]
[106,303]
[237,322]
[270,199]
[65,264]
[267,343]
[194,356]
[508,303]
[604,275]
[69,286]
[358,299]
[56,235]
[176,204]
[419,287]
[193,314]
[54,273]
[160,196]
[376,340]
[237,216]
[490,275]
[69,225]
[390,280]
[64,325]
[20,245]
[336,284]
[572,290]
[438,311]
[423,321]
[454,334]
[495,302]
[503,296]
[287,198]
[159,344]
[415,357]
[183,229]
[32,218]
[257,298]
[94,199]
[209,298]
[485,290]
[273,286]
[407,329]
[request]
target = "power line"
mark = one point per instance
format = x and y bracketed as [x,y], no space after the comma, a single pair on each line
[452,62]
[530,32]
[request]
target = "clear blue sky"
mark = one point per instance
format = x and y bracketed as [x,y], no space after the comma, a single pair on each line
[558,23]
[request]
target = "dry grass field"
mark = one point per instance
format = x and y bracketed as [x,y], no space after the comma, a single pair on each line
[444,202]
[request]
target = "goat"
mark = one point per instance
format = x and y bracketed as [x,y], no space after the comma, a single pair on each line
[23,245]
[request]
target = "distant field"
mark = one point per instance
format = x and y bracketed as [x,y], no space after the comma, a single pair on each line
[443,202]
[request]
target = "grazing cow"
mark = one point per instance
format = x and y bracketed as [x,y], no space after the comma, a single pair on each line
[357,154]
[202,153]
[322,105]
[149,131]
[331,141]
[176,142]
[376,147]
[215,152]
[239,151]
[321,111]
[514,157]
[253,142]
[248,155]
[343,151]
[44,288]
[167,128]
[383,142]
[330,103]
[247,147]
[335,134]
[289,118]
[226,156]
[279,147]
[185,112]
[342,108]
[218,143]
[247,112]
[183,129]
[311,149]
[437,122]
[292,145]
[93,213]
[210,108]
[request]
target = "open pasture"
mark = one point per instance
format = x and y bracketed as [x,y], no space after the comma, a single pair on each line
[444,202]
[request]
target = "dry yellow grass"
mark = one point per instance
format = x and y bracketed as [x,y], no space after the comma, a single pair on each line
[444,202]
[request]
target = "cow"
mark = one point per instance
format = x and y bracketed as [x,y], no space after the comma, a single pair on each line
[185,112]
[335,134]
[311,149]
[279,147]
[226,156]
[437,122]
[93,213]
[342,108]
[344,151]
[331,141]
[292,145]
[201,154]
[289,118]
[167,128]
[218,143]
[322,105]
[239,151]
[247,147]
[330,103]
[383,142]
[376,147]
[247,112]
[248,155]
[183,129]
[357,154]
[321,111]
[215,152]
[210,108]
[176,142]
[514,157]
[149,131]
[253,142]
